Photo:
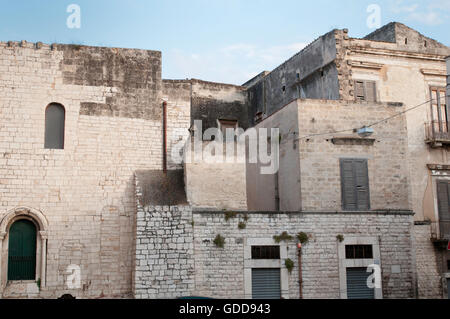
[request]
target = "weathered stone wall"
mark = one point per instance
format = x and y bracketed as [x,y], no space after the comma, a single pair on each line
[86,191]
[428,277]
[219,272]
[216,101]
[404,36]
[164,264]
[177,94]
[310,74]
[385,151]
[214,182]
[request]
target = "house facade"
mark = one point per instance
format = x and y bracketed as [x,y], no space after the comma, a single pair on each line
[96,203]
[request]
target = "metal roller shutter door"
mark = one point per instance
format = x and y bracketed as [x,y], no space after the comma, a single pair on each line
[448,288]
[266,284]
[357,284]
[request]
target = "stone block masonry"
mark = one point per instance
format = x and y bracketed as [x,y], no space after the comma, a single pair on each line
[168,235]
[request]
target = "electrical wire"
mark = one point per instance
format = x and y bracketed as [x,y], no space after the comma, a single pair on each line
[370,125]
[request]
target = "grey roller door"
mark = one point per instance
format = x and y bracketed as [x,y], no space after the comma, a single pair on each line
[266,283]
[357,284]
[448,288]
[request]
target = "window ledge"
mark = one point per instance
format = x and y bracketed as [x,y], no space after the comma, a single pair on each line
[352,140]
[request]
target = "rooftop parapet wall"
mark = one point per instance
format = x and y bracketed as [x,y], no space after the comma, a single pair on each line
[399,37]
[310,73]
[133,76]
[212,101]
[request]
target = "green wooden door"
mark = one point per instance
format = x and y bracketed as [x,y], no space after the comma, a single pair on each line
[22,251]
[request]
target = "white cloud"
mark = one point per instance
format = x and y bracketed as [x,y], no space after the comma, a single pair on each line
[236,63]
[430,12]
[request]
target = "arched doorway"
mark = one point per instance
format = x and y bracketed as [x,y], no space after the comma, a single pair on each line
[22,250]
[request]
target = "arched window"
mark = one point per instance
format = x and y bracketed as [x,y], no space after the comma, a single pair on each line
[55,115]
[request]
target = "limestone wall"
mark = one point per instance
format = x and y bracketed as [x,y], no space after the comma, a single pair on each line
[112,99]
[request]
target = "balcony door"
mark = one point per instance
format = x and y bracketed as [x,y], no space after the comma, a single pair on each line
[440,115]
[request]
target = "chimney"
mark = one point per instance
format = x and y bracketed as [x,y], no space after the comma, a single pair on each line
[447,100]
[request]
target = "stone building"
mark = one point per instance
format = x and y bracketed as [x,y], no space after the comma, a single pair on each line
[96,203]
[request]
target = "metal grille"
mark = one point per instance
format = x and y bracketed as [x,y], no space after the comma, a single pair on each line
[265,252]
[357,284]
[266,283]
[358,252]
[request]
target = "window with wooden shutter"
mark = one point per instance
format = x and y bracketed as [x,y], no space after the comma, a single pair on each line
[443,196]
[439,110]
[54,126]
[355,184]
[365,91]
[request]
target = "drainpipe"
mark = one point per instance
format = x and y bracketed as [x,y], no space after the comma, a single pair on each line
[448,82]
[164,137]
[300,272]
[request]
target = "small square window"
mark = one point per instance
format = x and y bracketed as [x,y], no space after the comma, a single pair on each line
[358,252]
[265,252]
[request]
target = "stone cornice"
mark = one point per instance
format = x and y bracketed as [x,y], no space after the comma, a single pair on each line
[397,53]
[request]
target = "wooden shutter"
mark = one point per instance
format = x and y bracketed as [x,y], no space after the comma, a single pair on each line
[362,184]
[366,91]
[349,201]
[355,184]
[443,200]
[371,91]
[359,90]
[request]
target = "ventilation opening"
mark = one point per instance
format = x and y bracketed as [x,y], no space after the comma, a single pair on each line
[284,88]
[67,296]
[425,44]
[406,40]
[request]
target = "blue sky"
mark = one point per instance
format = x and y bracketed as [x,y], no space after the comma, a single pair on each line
[217,40]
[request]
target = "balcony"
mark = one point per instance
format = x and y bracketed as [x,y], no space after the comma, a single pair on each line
[437,133]
[440,233]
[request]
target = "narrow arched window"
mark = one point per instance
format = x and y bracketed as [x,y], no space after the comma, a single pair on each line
[55,115]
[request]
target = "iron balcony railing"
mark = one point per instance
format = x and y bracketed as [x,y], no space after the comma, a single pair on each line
[441,230]
[437,132]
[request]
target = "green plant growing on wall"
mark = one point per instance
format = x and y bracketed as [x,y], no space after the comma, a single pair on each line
[302,237]
[283,237]
[229,215]
[289,264]
[340,238]
[38,283]
[246,217]
[219,241]
[192,223]
[242,225]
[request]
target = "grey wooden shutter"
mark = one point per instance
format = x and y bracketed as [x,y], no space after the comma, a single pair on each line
[54,126]
[371,91]
[357,287]
[349,200]
[266,283]
[443,200]
[362,184]
[355,184]
[359,90]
